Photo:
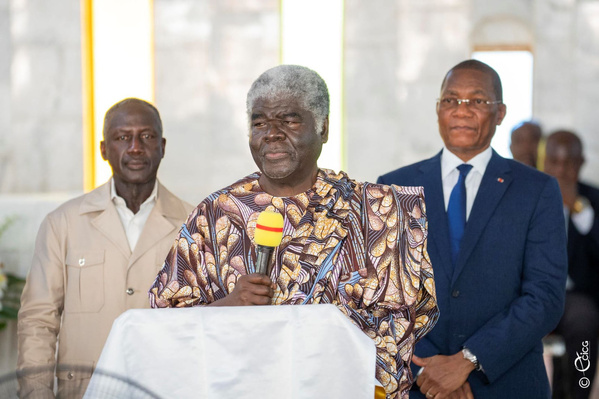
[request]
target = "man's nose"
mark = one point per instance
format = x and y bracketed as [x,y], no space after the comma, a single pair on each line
[463,107]
[274,132]
[136,144]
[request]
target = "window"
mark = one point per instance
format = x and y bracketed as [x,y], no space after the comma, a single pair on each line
[312,36]
[118,62]
[516,71]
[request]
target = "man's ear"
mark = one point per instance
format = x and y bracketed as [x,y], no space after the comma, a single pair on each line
[325,130]
[501,113]
[163,146]
[103,150]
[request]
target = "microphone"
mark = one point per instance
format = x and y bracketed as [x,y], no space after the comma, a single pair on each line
[268,235]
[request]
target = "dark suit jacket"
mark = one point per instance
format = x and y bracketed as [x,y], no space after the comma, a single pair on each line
[583,250]
[507,289]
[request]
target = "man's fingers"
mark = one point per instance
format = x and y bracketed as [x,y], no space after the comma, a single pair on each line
[261,290]
[257,284]
[248,298]
[418,361]
[467,391]
[463,392]
[260,300]
[425,385]
[251,289]
[257,278]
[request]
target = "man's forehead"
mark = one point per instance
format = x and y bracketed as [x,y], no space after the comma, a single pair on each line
[557,151]
[525,133]
[279,104]
[133,111]
[468,79]
[562,148]
[132,114]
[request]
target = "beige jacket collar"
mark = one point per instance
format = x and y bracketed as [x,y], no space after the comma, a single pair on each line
[162,220]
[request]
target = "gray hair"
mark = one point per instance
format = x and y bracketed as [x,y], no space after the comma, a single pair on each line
[298,82]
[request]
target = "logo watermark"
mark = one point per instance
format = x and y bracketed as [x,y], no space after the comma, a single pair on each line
[582,363]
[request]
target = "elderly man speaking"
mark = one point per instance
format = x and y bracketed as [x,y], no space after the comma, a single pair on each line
[359,246]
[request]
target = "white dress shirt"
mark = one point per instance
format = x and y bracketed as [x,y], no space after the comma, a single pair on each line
[450,175]
[133,222]
[583,222]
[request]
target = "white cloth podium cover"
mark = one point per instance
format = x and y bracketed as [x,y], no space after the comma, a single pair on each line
[309,352]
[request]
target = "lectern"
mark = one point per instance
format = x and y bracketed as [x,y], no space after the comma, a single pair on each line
[296,352]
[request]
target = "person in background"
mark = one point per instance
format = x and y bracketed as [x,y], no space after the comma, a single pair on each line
[497,244]
[579,325]
[524,143]
[360,246]
[95,255]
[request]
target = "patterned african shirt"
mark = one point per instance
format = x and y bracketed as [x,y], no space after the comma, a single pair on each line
[359,246]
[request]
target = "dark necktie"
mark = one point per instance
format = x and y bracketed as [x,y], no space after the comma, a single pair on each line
[456,212]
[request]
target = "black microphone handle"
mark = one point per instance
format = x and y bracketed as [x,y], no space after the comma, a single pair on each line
[263,259]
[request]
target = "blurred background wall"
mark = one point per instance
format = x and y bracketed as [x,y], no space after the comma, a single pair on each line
[204,55]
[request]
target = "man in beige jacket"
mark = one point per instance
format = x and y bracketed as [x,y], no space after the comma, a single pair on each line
[96,255]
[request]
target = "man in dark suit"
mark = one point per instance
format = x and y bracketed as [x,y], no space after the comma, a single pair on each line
[497,244]
[580,323]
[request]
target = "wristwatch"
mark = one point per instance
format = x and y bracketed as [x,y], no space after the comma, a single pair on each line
[471,357]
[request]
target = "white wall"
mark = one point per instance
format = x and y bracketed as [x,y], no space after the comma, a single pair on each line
[567,72]
[207,55]
[40,96]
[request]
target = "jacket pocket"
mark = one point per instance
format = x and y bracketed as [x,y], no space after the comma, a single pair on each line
[85,281]
[73,378]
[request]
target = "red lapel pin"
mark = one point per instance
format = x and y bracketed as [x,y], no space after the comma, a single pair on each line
[500,180]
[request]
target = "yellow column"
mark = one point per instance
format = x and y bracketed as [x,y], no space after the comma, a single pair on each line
[87,73]
[118,62]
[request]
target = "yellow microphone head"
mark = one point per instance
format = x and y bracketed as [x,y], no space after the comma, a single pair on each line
[269,229]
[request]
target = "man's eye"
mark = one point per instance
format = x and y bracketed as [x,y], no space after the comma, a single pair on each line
[478,101]
[448,100]
[122,138]
[259,124]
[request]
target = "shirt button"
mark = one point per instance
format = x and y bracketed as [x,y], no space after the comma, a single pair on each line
[130,291]
[81,261]
[70,375]
[455,293]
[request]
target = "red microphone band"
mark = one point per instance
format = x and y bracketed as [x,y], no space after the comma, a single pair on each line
[267,228]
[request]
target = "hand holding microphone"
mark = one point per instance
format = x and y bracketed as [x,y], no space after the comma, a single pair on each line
[257,288]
